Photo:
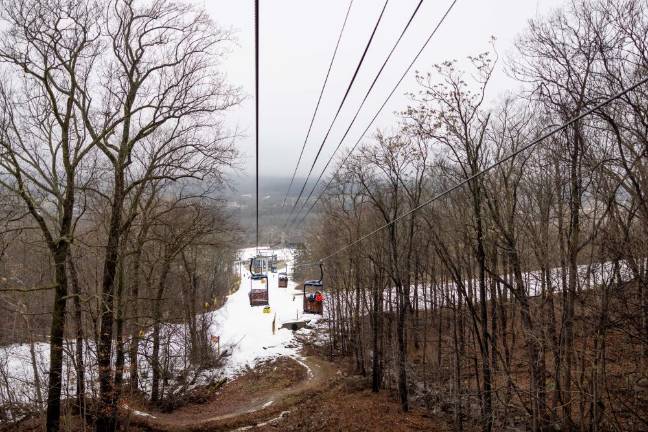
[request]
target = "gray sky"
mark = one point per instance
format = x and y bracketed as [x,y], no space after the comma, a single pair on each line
[297,39]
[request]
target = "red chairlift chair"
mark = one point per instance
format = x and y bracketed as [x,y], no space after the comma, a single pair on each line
[314,295]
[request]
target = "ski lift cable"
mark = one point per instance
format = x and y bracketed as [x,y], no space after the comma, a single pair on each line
[485,170]
[346,94]
[256,89]
[366,96]
[418,54]
[319,99]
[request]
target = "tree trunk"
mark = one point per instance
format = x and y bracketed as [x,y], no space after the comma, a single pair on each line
[119,330]
[135,325]
[572,275]
[56,337]
[376,368]
[483,311]
[402,355]
[157,317]
[78,324]
[106,410]
[34,359]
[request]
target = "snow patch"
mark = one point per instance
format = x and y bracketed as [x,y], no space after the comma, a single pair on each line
[308,369]
[138,413]
[248,333]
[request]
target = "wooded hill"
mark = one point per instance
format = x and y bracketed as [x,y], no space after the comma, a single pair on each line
[439,304]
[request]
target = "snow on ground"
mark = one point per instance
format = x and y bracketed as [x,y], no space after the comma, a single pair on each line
[247,330]
[446,292]
[16,361]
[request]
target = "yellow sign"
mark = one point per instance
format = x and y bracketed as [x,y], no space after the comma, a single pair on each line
[266,309]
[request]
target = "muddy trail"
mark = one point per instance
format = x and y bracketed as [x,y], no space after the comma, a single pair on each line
[259,395]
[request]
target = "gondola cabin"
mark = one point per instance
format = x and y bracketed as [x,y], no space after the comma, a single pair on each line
[259,293]
[259,290]
[314,297]
[283,280]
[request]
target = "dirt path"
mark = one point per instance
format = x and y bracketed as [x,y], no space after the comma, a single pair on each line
[250,401]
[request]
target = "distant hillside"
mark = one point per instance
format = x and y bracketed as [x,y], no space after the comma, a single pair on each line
[241,198]
[267,185]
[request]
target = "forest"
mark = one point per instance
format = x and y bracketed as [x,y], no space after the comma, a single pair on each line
[484,258]
[112,153]
[513,285]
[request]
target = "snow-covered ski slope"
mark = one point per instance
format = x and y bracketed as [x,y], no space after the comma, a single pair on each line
[248,331]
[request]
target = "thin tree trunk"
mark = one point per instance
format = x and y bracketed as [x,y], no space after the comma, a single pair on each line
[34,360]
[157,317]
[119,334]
[136,328]
[376,368]
[486,370]
[78,324]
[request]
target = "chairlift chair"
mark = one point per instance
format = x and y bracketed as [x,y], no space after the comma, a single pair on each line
[258,296]
[314,295]
[283,280]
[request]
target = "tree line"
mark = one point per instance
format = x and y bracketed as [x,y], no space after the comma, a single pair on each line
[112,156]
[521,298]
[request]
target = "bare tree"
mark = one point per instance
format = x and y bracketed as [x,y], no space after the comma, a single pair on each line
[51,44]
[452,114]
[163,87]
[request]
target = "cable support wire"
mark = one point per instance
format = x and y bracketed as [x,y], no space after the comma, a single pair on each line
[319,99]
[256,89]
[483,171]
[346,94]
[389,96]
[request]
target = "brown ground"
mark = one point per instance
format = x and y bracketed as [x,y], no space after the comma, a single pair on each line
[245,393]
[280,395]
[284,396]
[344,409]
[262,392]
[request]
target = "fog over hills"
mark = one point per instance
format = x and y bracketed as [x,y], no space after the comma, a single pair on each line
[267,184]
[273,214]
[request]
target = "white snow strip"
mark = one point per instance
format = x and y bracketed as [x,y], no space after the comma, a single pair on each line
[138,413]
[265,423]
[308,369]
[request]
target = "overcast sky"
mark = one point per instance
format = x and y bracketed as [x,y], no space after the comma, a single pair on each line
[297,39]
